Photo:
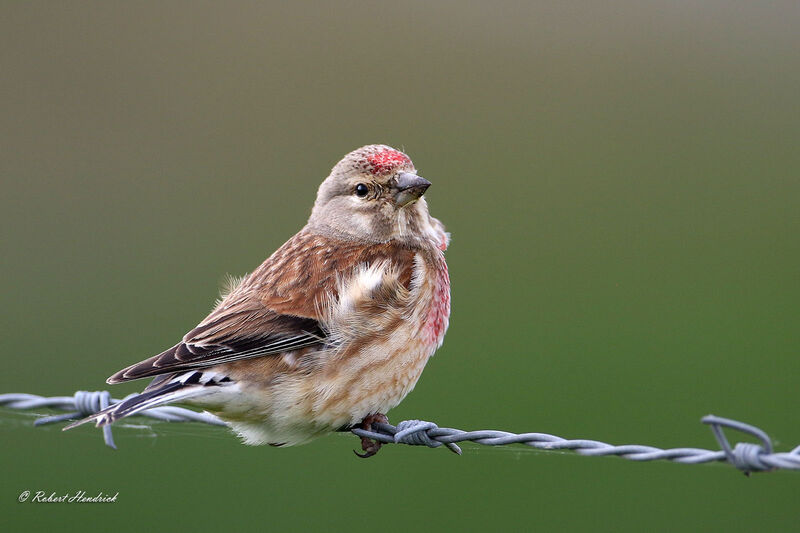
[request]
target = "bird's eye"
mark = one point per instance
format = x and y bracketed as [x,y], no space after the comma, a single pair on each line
[361,190]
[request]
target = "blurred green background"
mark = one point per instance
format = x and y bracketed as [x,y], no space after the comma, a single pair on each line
[620,179]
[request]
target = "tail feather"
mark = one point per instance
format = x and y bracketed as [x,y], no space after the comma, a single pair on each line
[172,391]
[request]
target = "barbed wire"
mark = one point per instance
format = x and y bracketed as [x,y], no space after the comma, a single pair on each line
[86,403]
[747,457]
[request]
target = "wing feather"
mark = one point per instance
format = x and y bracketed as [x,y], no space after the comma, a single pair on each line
[277,308]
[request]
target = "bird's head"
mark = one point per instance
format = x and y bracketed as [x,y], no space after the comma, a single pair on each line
[374,194]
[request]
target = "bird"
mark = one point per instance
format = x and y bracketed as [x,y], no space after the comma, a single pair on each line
[331,331]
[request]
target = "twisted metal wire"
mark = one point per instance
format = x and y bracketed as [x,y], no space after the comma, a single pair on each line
[86,403]
[747,457]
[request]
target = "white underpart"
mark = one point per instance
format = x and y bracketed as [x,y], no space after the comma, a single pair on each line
[363,282]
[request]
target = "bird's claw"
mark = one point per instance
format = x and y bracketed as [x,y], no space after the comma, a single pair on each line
[370,446]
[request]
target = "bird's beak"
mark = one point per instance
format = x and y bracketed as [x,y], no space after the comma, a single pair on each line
[409,187]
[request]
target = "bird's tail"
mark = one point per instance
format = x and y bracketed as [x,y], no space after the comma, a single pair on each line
[179,388]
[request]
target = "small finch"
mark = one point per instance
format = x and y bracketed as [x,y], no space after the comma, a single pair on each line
[332,330]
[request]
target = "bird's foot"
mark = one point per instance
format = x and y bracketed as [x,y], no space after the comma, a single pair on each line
[370,446]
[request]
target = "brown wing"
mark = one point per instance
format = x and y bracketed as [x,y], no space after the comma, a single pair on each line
[273,310]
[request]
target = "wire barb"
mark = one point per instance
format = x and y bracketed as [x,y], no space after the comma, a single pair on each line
[747,457]
[86,403]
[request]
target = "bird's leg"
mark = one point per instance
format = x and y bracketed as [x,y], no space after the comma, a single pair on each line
[370,446]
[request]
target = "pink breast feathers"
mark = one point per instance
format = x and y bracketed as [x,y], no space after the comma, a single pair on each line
[439,312]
